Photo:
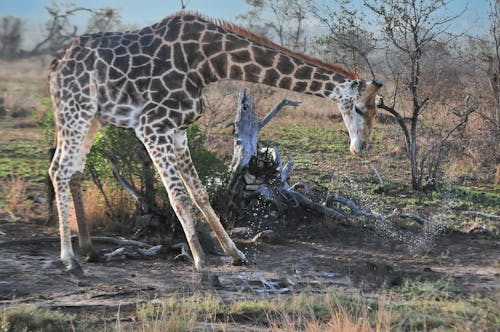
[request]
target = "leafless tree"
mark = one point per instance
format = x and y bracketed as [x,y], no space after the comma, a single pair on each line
[218,106]
[411,28]
[493,59]
[493,73]
[414,44]
[60,30]
[10,36]
[347,41]
[104,19]
[286,25]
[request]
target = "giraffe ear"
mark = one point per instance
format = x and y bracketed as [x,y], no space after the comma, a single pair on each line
[371,91]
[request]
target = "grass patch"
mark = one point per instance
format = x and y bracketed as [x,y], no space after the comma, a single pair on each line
[442,305]
[23,152]
[13,198]
[438,290]
[474,198]
[308,145]
[31,318]
[34,169]
[415,306]
[177,313]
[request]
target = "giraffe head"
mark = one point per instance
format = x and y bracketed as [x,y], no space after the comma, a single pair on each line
[357,105]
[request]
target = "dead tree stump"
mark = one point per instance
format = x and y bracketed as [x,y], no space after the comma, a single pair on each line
[258,182]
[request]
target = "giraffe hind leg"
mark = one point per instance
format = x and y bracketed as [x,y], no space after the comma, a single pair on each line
[68,160]
[59,175]
[84,239]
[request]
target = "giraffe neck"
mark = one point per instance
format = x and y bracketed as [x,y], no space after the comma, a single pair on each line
[261,64]
[219,51]
[246,60]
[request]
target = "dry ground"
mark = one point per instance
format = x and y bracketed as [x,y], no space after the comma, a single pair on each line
[349,259]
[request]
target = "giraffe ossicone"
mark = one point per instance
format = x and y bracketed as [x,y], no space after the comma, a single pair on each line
[150,80]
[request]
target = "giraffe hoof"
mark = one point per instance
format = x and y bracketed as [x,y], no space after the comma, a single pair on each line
[240,262]
[239,259]
[75,269]
[199,265]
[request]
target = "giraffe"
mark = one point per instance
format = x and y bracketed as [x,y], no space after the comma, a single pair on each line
[150,81]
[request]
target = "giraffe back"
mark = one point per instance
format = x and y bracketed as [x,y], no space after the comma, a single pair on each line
[124,75]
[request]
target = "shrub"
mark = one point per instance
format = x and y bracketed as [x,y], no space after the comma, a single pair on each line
[135,167]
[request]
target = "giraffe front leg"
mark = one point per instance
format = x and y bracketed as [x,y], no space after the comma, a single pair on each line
[203,203]
[200,197]
[84,239]
[166,163]
[65,173]
[180,204]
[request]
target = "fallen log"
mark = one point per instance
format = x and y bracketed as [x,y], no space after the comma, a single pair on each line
[127,247]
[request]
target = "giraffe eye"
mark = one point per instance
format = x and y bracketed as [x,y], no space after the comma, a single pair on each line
[358,110]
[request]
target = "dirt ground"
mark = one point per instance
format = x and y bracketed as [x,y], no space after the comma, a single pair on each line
[348,258]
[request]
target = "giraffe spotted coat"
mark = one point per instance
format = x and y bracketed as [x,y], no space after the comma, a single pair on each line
[150,81]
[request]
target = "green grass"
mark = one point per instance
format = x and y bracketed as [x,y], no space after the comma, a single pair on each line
[23,152]
[23,160]
[322,159]
[31,318]
[443,305]
[474,198]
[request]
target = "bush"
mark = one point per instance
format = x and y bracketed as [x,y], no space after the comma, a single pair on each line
[136,168]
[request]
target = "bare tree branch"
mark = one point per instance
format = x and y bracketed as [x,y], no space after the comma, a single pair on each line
[276,109]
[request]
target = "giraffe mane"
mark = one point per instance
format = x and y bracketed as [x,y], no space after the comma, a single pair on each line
[240,31]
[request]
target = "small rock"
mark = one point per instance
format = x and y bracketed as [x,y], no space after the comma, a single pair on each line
[329,274]
[249,178]
[252,187]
